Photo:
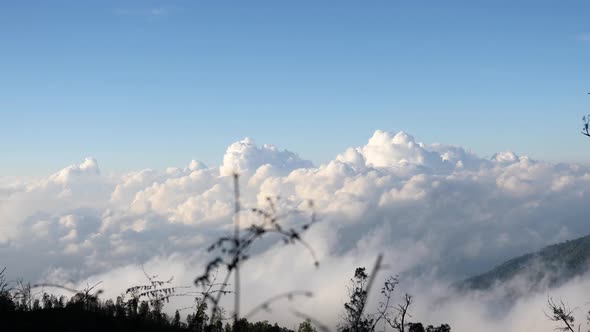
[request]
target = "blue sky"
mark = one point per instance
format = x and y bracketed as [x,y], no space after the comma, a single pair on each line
[141,84]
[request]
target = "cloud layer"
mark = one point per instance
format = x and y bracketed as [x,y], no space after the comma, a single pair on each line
[438,213]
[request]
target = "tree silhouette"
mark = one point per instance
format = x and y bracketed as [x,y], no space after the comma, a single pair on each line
[6,304]
[176,320]
[396,316]
[560,313]
[355,320]
[306,326]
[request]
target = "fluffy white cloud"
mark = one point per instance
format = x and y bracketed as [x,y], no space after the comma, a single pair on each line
[244,156]
[438,213]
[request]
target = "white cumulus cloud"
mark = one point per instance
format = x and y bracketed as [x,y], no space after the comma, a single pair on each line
[438,213]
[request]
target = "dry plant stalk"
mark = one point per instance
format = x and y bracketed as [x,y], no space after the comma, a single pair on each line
[233,250]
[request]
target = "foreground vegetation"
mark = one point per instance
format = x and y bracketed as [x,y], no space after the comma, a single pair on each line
[23,309]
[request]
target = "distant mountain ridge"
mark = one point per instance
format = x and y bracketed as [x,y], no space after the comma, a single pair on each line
[551,266]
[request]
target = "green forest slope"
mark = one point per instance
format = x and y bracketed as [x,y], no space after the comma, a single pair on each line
[551,266]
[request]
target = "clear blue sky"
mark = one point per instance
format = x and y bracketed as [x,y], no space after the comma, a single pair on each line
[141,84]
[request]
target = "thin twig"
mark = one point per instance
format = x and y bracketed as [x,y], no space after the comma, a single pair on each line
[266,304]
[237,247]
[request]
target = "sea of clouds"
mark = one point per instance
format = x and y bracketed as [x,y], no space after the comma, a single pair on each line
[437,213]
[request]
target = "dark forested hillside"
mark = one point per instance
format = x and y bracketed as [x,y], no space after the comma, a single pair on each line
[78,319]
[68,319]
[93,315]
[551,266]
